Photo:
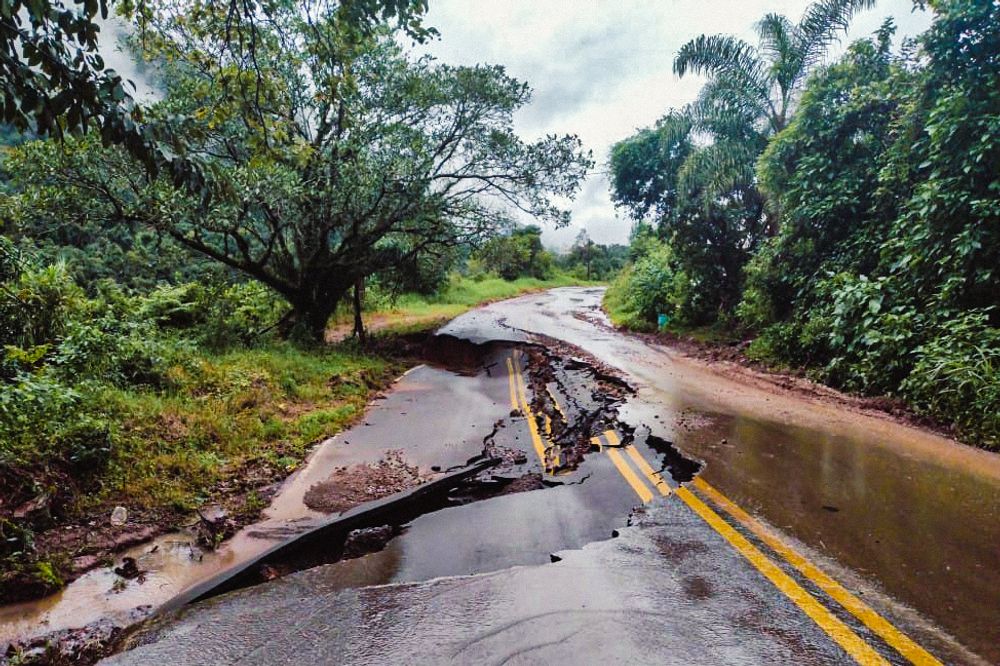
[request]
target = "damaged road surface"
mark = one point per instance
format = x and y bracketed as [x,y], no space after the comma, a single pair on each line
[619,507]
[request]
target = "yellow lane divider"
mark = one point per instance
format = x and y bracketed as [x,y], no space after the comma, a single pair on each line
[893,636]
[536,438]
[651,474]
[644,493]
[555,403]
[828,622]
[844,636]
[510,384]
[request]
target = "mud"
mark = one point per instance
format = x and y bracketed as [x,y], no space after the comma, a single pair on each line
[347,487]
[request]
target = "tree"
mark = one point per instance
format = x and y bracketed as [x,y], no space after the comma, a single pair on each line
[645,166]
[359,159]
[751,90]
[712,236]
[54,80]
[517,254]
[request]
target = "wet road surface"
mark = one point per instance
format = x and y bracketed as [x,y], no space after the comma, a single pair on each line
[810,535]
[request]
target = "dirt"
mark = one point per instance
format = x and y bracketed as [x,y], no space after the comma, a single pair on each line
[348,487]
[731,361]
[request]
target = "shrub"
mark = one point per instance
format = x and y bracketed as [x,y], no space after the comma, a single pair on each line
[956,377]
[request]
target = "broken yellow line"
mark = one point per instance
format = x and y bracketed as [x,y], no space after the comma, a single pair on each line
[510,384]
[893,636]
[536,439]
[651,474]
[644,493]
[827,621]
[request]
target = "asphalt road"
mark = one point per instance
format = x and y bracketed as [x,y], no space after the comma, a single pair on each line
[623,559]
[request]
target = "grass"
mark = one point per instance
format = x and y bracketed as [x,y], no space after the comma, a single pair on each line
[243,411]
[412,312]
[207,427]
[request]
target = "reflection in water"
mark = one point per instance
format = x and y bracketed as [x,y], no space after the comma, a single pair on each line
[927,532]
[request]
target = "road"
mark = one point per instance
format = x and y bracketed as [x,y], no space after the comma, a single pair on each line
[713,519]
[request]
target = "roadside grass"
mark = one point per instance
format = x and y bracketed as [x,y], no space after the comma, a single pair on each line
[221,428]
[207,427]
[414,312]
[244,415]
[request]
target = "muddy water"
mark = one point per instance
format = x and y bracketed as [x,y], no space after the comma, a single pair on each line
[174,563]
[914,515]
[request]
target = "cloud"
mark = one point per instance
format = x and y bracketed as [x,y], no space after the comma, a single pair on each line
[603,68]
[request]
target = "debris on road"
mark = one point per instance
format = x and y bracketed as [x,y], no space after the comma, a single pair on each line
[347,487]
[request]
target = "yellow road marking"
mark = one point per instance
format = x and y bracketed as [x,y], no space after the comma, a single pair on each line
[596,441]
[510,384]
[644,493]
[555,403]
[828,622]
[651,474]
[894,637]
[536,439]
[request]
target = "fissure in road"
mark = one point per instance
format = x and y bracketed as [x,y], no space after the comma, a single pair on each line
[695,575]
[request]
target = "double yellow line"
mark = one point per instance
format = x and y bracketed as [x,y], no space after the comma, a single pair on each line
[633,479]
[643,479]
[519,401]
[844,636]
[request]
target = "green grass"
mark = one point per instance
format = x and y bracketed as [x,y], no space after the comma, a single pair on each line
[224,415]
[206,427]
[412,312]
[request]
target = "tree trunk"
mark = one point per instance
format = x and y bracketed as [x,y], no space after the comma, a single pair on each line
[359,294]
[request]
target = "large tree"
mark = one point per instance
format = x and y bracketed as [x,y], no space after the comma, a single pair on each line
[350,157]
[53,78]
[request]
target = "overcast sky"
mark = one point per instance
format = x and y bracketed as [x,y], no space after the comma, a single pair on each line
[603,68]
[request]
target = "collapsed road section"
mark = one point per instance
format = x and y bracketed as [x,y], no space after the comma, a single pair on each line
[472,429]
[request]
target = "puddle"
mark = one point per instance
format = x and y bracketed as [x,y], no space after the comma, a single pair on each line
[927,533]
[571,400]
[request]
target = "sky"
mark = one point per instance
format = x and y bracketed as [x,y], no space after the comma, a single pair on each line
[603,68]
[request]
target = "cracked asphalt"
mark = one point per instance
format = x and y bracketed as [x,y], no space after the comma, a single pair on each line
[618,557]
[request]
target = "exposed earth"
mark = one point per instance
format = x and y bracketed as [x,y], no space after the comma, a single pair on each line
[548,489]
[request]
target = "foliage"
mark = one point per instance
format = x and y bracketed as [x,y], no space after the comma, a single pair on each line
[884,276]
[593,261]
[517,254]
[383,158]
[880,177]
[751,90]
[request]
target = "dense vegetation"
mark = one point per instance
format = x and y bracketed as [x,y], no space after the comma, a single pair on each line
[878,265]
[163,337]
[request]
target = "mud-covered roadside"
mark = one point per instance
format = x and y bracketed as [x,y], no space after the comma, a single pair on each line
[74,544]
[729,359]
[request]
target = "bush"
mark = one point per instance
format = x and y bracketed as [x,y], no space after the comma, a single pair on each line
[956,377]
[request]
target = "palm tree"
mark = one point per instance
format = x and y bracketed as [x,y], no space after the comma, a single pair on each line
[751,90]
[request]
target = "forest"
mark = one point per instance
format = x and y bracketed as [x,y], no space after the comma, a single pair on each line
[839,216]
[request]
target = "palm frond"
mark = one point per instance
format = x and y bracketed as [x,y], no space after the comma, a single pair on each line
[781,44]
[711,172]
[777,35]
[726,108]
[822,23]
[719,55]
